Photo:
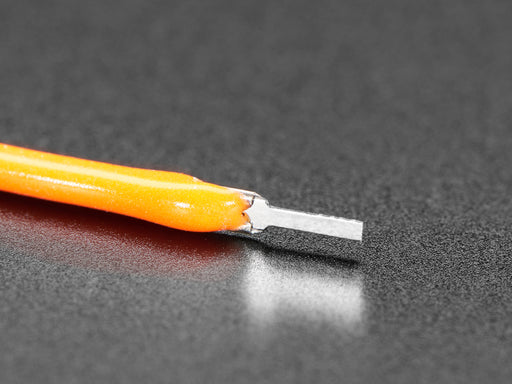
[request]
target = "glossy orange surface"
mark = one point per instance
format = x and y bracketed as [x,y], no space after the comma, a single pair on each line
[171,199]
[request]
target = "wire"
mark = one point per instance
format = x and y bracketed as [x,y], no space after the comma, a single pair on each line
[172,199]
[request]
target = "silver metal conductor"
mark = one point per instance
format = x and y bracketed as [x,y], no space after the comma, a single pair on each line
[262,215]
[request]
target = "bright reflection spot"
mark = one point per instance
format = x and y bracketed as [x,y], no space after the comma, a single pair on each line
[303,291]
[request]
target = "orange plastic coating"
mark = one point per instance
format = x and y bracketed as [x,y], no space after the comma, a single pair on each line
[171,199]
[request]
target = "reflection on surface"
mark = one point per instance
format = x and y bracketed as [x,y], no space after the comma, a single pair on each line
[111,243]
[277,288]
[303,291]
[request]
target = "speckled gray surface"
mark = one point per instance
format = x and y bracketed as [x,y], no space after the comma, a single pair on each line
[397,113]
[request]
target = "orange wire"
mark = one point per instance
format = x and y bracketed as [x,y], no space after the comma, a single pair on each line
[168,198]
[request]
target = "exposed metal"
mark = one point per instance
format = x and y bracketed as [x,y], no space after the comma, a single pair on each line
[263,215]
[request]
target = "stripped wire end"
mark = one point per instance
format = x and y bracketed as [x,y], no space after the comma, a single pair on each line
[262,215]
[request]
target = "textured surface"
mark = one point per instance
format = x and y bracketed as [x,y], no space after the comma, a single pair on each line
[397,113]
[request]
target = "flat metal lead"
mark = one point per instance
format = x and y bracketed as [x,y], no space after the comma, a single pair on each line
[262,215]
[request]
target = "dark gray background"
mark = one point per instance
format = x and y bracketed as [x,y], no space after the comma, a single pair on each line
[397,113]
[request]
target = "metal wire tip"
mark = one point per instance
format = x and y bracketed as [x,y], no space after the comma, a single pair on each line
[262,215]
